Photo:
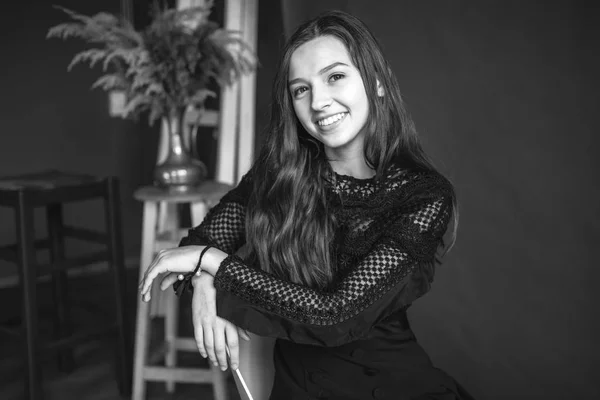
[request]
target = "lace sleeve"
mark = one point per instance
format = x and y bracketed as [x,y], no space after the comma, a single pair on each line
[223,226]
[381,283]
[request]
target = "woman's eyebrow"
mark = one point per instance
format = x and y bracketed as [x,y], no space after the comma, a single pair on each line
[331,66]
[321,72]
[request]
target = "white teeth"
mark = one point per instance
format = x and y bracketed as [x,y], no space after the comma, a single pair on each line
[330,120]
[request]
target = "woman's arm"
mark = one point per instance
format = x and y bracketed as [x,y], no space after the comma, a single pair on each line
[397,270]
[223,226]
[394,273]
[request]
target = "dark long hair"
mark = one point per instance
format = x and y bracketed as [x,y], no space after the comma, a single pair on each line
[289,228]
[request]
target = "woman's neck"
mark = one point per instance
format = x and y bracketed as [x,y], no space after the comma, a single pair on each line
[350,159]
[356,167]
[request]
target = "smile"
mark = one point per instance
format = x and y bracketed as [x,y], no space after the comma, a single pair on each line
[331,120]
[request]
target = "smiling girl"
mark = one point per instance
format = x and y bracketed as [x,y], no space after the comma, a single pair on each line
[341,216]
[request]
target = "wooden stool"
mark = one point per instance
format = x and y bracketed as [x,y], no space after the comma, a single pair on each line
[160,231]
[51,189]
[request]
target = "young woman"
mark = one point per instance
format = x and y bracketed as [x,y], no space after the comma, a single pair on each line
[342,216]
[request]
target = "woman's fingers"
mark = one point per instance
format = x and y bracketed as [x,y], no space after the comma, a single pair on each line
[209,344]
[199,336]
[169,280]
[220,342]
[177,260]
[243,333]
[146,283]
[158,266]
[202,316]
[231,335]
[213,328]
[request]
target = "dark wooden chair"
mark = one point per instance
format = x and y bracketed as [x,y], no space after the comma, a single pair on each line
[52,189]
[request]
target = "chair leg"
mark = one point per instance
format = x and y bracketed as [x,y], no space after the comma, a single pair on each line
[219,383]
[142,330]
[62,319]
[27,281]
[117,266]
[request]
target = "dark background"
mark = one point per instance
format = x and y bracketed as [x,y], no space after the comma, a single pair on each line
[504,95]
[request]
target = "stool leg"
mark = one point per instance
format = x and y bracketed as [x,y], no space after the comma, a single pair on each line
[142,330]
[117,265]
[198,212]
[171,322]
[27,280]
[62,318]
[166,222]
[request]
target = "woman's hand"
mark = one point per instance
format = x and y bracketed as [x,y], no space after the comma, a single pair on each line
[177,260]
[215,336]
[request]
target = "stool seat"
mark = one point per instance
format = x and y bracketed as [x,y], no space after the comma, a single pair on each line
[45,180]
[49,186]
[52,189]
[161,231]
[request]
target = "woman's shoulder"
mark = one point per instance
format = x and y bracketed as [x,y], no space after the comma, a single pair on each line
[406,181]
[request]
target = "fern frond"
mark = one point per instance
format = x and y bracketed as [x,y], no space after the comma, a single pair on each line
[73,14]
[129,33]
[155,89]
[92,56]
[109,82]
[106,19]
[142,78]
[156,112]
[200,97]
[136,104]
[127,55]
[66,30]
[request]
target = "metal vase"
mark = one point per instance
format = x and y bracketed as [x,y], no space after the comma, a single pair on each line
[179,172]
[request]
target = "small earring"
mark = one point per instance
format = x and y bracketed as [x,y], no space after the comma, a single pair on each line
[180,277]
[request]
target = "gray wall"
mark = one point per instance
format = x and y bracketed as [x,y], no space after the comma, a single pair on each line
[503,95]
[51,119]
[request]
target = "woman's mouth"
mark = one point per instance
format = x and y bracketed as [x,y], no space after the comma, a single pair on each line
[332,121]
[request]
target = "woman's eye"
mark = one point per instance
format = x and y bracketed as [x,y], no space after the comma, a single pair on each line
[298,91]
[336,77]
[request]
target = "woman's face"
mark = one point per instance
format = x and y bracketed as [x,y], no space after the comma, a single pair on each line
[328,95]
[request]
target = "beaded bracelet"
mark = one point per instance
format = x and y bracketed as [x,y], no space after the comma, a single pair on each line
[184,282]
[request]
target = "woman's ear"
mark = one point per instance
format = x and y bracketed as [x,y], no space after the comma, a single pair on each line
[380,91]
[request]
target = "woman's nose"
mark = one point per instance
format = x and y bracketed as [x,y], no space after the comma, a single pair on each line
[321,98]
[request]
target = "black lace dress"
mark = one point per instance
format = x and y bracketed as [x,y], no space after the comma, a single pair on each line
[353,340]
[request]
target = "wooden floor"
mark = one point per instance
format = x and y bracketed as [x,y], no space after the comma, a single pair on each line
[94,375]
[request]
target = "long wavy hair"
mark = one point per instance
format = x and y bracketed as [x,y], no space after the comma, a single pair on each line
[289,228]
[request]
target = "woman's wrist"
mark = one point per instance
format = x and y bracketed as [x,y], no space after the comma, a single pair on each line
[212,260]
[197,279]
[185,282]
